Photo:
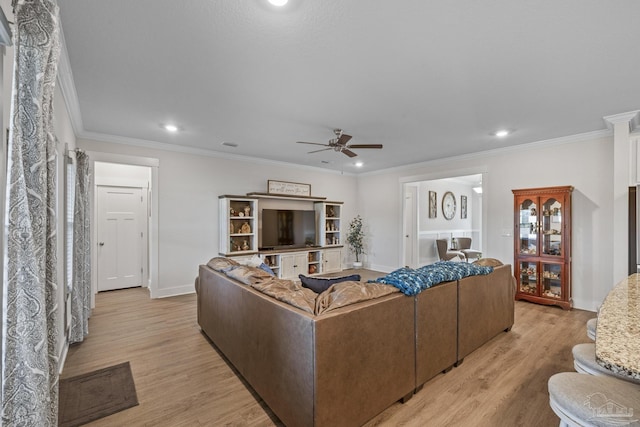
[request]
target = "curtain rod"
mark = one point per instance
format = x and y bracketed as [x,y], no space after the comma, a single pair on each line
[75,150]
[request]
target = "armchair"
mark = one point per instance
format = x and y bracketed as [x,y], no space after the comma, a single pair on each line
[464,244]
[444,253]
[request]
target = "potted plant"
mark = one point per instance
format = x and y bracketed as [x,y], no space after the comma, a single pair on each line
[354,239]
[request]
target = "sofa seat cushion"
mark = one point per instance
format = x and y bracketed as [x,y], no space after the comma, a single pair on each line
[319,284]
[350,292]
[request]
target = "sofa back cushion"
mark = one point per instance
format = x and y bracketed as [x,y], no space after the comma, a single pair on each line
[221,263]
[247,275]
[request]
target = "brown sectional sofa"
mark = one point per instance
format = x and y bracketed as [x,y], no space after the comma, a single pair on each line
[485,308]
[436,325]
[344,367]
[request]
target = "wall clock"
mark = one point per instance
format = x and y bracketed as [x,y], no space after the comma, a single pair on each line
[448,205]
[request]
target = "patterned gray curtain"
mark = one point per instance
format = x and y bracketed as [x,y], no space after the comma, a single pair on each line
[81,292]
[30,362]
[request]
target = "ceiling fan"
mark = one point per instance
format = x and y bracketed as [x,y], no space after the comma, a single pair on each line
[340,144]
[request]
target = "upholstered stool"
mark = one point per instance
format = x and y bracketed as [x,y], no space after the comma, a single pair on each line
[591,328]
[584,361]
[586,400]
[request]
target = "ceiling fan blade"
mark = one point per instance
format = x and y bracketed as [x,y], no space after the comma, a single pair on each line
[349,152]
[312,143]
[344,138]
[365,146]
[322,149]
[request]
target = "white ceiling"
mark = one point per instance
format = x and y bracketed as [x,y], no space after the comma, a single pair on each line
[428,79]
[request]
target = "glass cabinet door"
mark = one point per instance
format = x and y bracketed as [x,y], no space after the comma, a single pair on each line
[552,280]
[551,227]
[528,277]
[528,215]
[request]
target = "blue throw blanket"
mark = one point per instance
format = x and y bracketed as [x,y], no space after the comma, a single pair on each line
[412,282]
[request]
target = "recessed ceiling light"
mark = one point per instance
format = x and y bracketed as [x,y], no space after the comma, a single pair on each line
[170,128]
[359,164]
[278,2]
[502,133]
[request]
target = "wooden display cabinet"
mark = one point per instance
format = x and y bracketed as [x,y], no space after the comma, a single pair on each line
[329,224]
[542,245]
[238,225]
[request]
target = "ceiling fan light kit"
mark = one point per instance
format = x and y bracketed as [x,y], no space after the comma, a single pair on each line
[341,144]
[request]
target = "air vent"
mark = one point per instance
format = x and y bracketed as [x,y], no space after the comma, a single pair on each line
[230,144]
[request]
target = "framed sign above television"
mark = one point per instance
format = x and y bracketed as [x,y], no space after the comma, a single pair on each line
[288,188]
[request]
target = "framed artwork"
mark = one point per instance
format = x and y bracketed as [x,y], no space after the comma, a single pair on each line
[433,204]
[463,207]
[288,188]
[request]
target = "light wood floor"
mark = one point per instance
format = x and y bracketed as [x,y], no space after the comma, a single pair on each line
[182,380]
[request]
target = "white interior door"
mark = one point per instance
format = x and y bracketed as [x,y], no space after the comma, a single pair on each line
[410,226]
[120,236]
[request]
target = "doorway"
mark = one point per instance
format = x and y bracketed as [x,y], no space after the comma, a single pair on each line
[424,221]
[127,172]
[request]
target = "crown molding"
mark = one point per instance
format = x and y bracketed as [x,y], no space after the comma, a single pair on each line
[630,117]
[570,139]
[68,87]
[122,140]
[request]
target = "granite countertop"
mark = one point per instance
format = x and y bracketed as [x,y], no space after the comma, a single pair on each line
[618,329]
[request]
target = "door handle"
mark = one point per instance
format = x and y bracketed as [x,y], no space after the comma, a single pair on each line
[101,244]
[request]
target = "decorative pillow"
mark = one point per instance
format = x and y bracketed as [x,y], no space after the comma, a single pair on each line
[221,264]
[254,261]
[266,268]
[319,285]
[247,275]
[490,262]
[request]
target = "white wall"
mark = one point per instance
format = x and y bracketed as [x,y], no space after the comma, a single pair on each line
[582,164]
[440,223]
[189,186]
[119,175]
[439,227]
[188,190]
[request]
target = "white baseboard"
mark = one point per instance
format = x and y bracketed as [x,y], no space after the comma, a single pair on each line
[382,268]
[172,292]
[587,305]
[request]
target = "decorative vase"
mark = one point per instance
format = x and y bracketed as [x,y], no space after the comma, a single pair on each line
[357,264]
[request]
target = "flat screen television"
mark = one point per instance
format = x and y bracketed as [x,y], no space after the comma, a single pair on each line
[287,228]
